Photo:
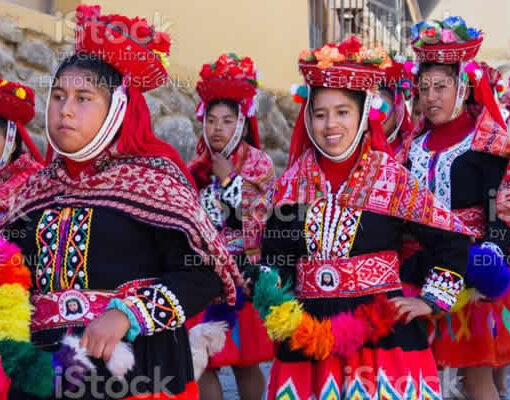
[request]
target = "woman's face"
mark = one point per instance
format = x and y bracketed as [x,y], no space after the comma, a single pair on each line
[221,122]
[335,120]
[438,93]
[77,109]
[390,123]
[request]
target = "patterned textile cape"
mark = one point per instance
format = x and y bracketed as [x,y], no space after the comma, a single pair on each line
[258,177]
[14,175]
[152,190]
[378,183]
[257,171]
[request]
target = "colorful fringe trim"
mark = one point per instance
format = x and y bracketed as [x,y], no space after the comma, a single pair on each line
[29,369]
[343,335]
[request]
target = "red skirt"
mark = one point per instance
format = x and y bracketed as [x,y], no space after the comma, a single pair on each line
[478,335]
[371,374]
[247,343]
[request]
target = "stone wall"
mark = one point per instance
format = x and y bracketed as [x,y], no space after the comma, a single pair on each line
[29,57]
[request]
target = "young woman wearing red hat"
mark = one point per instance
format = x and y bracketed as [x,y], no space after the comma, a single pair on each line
[396,88]
[346,331]
[232,174]
[460,152]
[16,165]
[120,249]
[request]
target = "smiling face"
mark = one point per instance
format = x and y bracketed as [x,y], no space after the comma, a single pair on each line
[77,109]
[438,94]
[335,117]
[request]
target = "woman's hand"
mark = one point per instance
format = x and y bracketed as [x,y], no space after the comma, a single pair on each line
[102,335]
[222,167]
[412,306]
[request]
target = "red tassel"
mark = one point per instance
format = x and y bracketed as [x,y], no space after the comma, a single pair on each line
[484,95]
[299,141]
[379,141]
[25,138]
[254,128]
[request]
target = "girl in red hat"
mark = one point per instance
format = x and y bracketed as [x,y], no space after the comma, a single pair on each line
[332,299]
[395,90]
[232,174]
[16,164]
[460,152]
[120,249]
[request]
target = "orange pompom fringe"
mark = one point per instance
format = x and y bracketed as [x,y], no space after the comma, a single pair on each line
[317,339]
[314,338]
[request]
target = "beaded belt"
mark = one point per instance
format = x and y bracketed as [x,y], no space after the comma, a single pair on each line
[73,308]
[367,274]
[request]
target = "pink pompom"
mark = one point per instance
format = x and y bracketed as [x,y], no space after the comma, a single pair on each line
[349,333]
[408,66]
[374,114]
[7,250]
[470,68]
[447,36]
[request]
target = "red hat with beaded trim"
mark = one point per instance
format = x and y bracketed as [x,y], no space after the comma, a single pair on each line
[350,66]
[451,42]
[400,78]
[445,42]
[17,105]
[130,45]
[233,78]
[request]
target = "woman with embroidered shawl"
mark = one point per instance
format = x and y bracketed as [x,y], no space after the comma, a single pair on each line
[351,201]
[460,152]
[232,174]
[113,222]
[16,164]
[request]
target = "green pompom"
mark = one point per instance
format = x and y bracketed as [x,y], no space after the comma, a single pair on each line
[269,293]
[30,369]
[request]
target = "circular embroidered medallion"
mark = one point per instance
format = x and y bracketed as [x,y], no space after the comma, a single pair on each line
[327,278]
[73,305]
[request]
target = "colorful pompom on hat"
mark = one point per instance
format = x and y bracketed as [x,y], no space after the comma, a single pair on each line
[445,42]
[347,65]
[229,77]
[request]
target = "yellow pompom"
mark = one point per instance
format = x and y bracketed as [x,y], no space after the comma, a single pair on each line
[15,311]
[3,82]
[462,299]
[21,93]
[283,320]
